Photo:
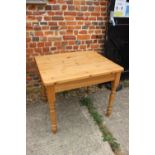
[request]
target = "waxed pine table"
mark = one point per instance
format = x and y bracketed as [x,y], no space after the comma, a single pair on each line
[66,71]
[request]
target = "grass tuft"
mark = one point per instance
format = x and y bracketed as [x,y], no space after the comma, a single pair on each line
[106,134]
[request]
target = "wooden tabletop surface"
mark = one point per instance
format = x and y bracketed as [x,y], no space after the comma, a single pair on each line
[64,67]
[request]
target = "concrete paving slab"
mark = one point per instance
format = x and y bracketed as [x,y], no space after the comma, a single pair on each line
[118,123]
[77,132]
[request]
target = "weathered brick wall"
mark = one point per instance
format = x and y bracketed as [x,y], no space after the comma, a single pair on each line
[62,26]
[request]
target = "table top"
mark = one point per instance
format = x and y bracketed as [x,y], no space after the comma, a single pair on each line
[70,66]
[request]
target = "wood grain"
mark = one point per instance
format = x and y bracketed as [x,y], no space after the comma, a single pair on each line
[59,68]
[51,101]
[60,72]
[113,92]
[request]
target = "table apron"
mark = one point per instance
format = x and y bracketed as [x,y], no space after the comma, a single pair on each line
[59,87]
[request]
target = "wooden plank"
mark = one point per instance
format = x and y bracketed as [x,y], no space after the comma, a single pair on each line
[85,82]
[60,68]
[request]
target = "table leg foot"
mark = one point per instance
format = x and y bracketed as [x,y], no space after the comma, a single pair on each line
[54,129]
[112,95]
[51,101]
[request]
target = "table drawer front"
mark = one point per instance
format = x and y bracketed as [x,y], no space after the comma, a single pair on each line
[84,82]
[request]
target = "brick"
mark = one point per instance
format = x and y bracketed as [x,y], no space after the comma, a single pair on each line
[75,47]
[56,7]
[52,1]
[68,32]
[76,2]
[83,32]
[30,18]
[69,2]
[52,23]
[60,1]
[29,50]
[76,32]
[31,7]
[82,18]
[43,23]
[46,49]
[45,27]
[49,33]
[71,7]
[48,7]
[64,7]
[83,37]
[47,18]
[69,18]
[71,42]
[85,27]
[96,3]
[58,13]
[38,50]
[92,18]
[100,18]
[58,44]
[64,43]
[35,39]
[82,3]
[38,33]
[80,23]
[88,41]
[51,13]
[70,13]
[98,8]
[88,23]
[105,3]
[61,23]
[78,42]
[57,18]
[53,48]
[91,8]
[63,27]
[84,8]
[71,23]
[69,37]
[103,9]
[54,28]
[94,41]
[40,44]
[40,7]
[95,14]
[94,46]
[32,45]
[77,7]
[68,47]
[28,39]
[83,46]
[54,38]
[89,3]
[95,23]
[79,13]
[86,13]
[43,38]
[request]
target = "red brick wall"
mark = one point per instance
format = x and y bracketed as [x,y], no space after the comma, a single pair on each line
[62,26]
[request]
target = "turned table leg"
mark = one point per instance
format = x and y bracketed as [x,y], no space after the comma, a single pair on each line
[113,92]
[43,92]
[51,101]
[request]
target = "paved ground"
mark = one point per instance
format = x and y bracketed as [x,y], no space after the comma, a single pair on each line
[118,123]
[77,133]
